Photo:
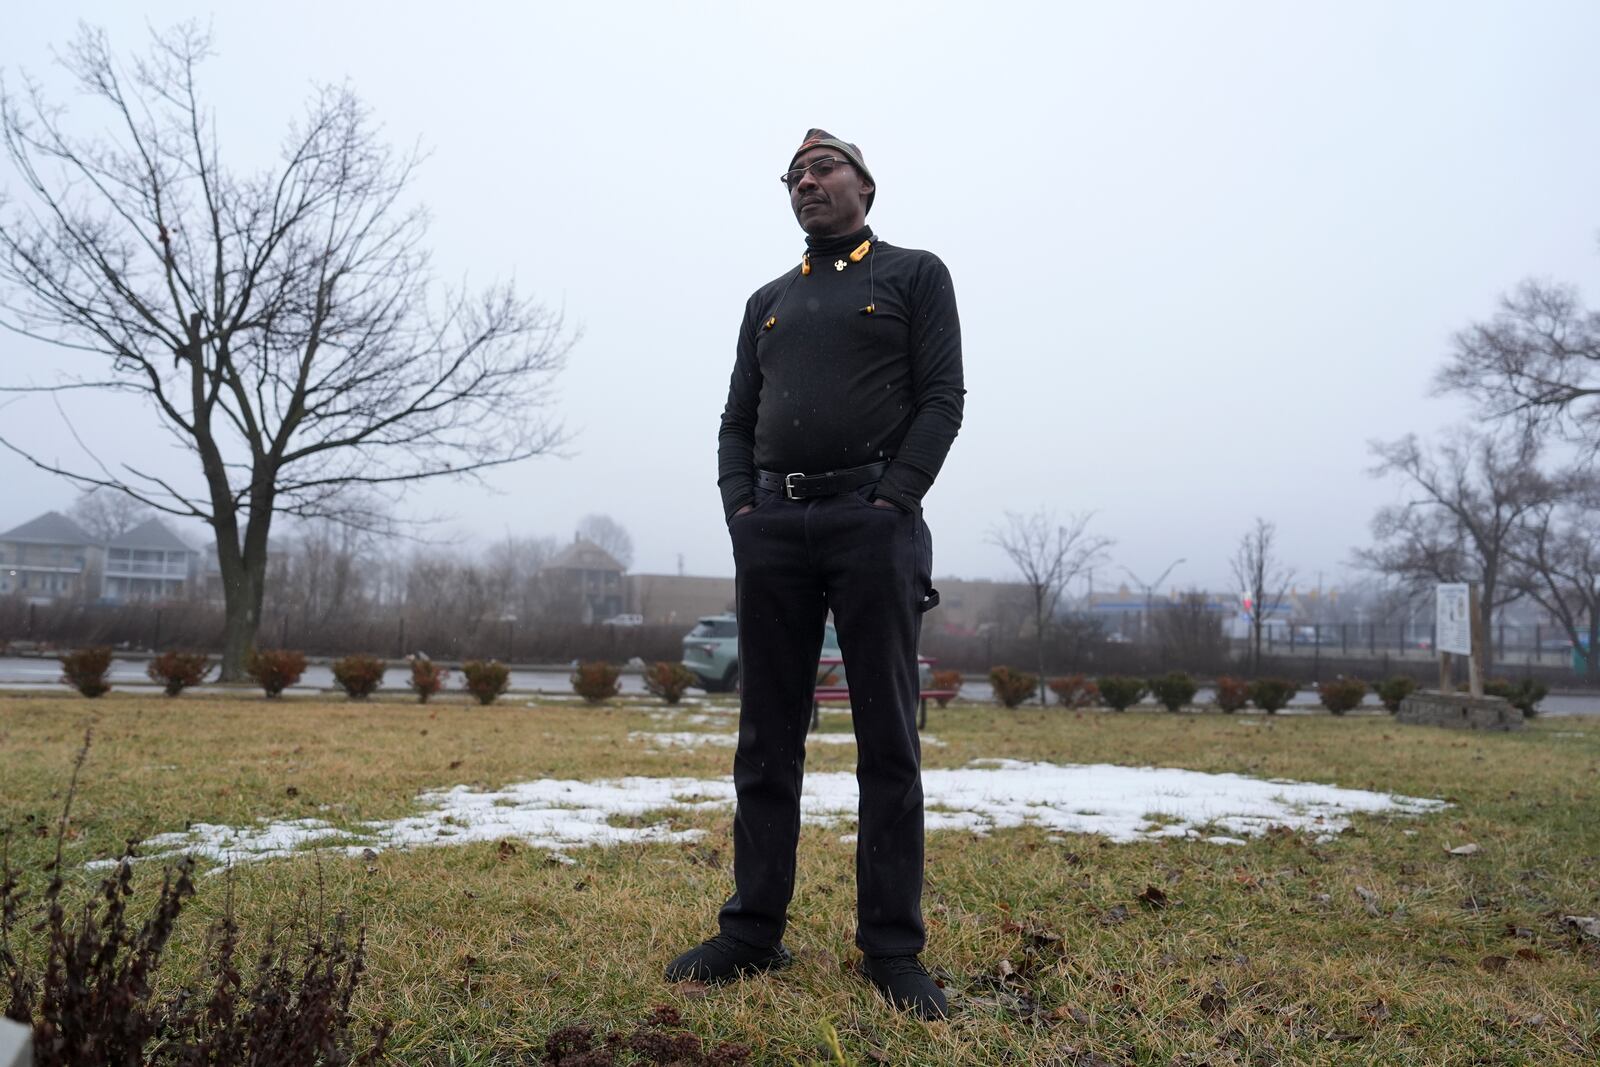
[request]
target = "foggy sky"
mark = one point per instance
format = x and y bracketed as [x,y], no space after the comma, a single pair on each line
[1203,252]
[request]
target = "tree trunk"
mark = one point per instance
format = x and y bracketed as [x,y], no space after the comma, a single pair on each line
[1486,621]
[244,574]
[241,591]
[1591,660]
[1039,648]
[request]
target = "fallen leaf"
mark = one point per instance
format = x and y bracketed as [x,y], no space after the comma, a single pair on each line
[1464,850]
[506,849]
[292,791]
[1154,897]
[1070,1011]
[691,990]
[1215,1000]
[1493,964]
[1375,1013]
[1531,955]
[368,855]
[1521,932]
[454,764]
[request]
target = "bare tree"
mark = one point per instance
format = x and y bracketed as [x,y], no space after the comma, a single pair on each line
[1537,360]
[1469,500]
[513,566]
[1262,578]
[609,534]
[106,515]
[1049,555]
[284,325]
[1558,548]
[1188,634]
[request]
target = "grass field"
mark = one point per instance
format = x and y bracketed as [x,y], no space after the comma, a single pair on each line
[1374,946]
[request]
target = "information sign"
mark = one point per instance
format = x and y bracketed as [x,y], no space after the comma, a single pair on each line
[1454,620]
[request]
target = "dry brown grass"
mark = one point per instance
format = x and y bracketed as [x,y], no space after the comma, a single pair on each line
[1264,953]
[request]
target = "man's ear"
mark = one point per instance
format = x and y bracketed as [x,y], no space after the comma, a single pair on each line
[867,188]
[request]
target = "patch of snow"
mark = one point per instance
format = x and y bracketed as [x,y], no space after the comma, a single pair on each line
[689,739]
[1121,803]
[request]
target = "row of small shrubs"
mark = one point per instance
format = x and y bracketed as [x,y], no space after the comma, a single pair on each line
[1177,689]
[275,670]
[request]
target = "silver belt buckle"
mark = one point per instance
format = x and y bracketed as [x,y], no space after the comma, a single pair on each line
[788,485]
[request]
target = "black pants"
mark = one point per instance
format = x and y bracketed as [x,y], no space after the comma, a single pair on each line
[796,560]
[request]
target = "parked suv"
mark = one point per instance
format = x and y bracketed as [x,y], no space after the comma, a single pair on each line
[711,651]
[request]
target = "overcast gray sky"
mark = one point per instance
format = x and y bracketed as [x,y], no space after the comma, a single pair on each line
[1203,252]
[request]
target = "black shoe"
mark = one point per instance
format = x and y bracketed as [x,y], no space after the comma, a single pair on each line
[905,982]
[724,958]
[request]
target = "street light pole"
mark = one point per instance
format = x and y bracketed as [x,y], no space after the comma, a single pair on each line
[1144,622]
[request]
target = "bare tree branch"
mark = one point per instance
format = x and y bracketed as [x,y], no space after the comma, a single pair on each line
[1470,497]
[1049,556]
[286,325]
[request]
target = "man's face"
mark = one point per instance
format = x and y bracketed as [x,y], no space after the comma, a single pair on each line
[832,204]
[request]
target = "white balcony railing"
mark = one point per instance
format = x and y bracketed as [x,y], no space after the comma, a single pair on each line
[136,569]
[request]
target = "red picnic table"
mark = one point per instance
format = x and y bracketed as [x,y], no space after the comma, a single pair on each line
[828,689]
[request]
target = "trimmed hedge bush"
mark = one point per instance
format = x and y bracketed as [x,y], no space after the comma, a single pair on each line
[1173,690]
[1075,691]
[177,671]
[1342,694]
[1524,693]
[85,669]
[486,679]
[597,681]
[1120,692]
[669,681]
[1270,694]
[1232,693]
[427,677]
[946,680]
[1012,687]
[275,669]
[359,676]
[1393,690]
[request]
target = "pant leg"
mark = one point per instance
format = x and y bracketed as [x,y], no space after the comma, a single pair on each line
[782,613]
[877,565]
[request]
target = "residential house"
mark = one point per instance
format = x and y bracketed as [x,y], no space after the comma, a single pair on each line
[582,583]
[148,562]
[46,559]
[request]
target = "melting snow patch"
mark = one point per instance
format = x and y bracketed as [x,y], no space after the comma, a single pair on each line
[687,739]
[1121,803]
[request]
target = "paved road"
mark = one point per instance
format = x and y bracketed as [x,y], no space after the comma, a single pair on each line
[28,673]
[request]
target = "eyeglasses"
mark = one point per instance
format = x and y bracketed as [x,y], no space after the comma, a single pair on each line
[818,168]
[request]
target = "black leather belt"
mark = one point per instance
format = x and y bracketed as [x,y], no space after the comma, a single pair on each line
[804,486]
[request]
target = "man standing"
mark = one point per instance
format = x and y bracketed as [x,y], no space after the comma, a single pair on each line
[845,397]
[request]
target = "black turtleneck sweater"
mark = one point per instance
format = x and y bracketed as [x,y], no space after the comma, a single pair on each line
[827,386]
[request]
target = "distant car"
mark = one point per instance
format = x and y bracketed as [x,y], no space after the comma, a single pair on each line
[711,651]
[624,620]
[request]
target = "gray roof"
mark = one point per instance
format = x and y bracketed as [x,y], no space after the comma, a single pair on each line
[583,555]
[151,533]
[51,528]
